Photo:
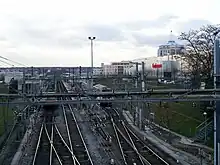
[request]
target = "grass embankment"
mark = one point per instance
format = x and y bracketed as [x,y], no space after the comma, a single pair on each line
[180,117]
[183,119]
[6,113]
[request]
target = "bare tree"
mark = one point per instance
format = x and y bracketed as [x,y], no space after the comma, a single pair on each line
[199,52]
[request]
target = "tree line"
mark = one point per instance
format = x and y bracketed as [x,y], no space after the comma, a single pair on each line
[199,54]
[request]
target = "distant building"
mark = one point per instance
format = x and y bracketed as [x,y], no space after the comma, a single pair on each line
[170,66]
[170,49]
[109,70]
[97,71]
[10,75]
[116,68]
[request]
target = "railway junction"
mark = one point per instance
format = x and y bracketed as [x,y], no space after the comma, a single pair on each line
[65,122]
[68,127]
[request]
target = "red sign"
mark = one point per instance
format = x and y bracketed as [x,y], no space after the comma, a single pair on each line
[156,66]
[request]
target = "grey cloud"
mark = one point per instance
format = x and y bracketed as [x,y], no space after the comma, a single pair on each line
[191,24]
[155,41]
[160,22]
[3,38]
[105,32]
[40,34]
[43,34]
[36,33]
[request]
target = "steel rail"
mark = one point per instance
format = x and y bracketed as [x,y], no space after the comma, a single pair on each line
[68,133]
[121,150]
[110,154]
[135,148]
[38,144]
[65,143]
[53,146]
[77,126]
[147,146]
[78,129]
[136,151]
[132,142]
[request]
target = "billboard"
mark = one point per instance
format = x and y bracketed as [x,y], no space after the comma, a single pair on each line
[156,66]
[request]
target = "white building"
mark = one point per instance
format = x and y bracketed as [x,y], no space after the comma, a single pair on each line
[170,49]
[109,70]
[167,66]
[116,68]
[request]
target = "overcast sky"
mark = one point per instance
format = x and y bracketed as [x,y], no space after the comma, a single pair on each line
[55,32]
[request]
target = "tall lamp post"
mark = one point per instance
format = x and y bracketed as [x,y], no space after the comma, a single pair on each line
[91,39]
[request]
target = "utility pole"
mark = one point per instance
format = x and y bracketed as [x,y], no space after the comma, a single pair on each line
[69,73]
[217,103]
[24,86]
[80,72]
[136,82]
[142,78]
[73,76]
[91,39]
[32,84]
[54,81]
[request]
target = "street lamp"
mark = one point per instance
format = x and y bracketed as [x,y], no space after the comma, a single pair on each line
[205,115]
[91,39]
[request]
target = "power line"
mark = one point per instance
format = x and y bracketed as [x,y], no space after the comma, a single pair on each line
[12,61]
[6,63]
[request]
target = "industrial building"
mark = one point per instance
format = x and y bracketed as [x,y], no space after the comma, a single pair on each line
[9,76]
[116,68]
[169,57]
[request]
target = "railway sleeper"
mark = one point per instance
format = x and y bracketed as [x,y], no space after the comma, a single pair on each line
[129,151]
[78,148]
[82,156]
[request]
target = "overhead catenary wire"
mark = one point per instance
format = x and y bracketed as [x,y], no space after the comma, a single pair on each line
[6,63]
[12,61]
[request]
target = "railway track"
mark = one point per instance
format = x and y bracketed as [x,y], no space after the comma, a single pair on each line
[75,138]
[60,143]
[47,151]
[133,149]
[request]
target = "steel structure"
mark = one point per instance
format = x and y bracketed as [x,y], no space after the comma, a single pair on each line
[170,92]
[217,109]
[118,100]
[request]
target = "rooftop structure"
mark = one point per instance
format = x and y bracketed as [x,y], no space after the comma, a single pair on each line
[170,48]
